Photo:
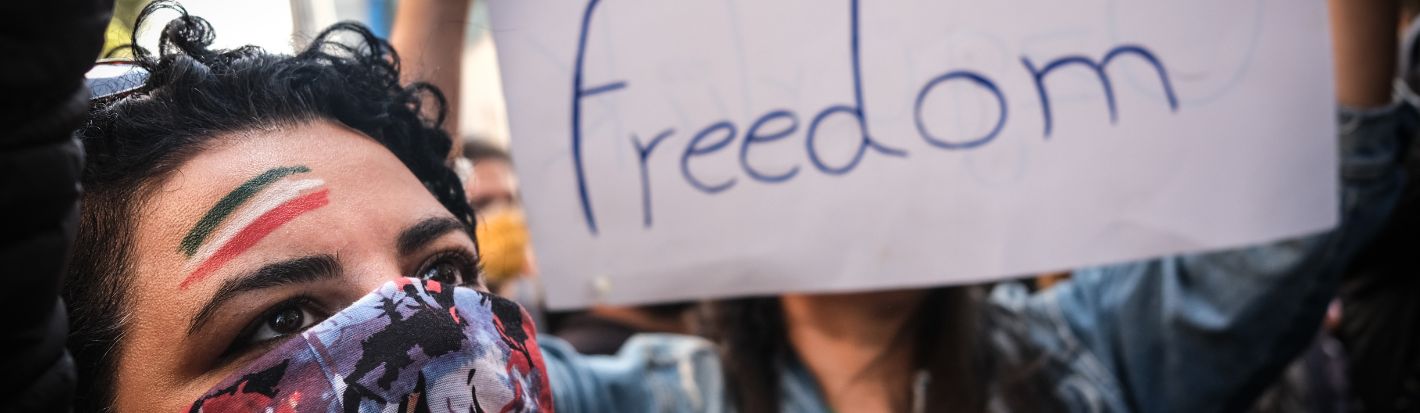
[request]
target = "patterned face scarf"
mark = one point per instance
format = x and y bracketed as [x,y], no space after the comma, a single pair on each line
[411,346]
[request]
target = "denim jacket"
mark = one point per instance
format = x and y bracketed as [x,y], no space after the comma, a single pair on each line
[1193,333]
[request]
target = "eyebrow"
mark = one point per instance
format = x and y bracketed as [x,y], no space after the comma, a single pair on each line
[420,234]
[283,273]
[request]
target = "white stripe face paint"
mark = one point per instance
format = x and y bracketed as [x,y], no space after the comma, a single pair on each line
[275,195]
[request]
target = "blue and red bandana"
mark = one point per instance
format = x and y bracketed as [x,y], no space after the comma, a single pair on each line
[411,346]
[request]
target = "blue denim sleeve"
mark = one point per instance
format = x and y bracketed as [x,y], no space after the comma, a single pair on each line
[651,373]
[1207,332]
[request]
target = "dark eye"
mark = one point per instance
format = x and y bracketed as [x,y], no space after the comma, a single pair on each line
[443,272]
[450,267]
[283,321]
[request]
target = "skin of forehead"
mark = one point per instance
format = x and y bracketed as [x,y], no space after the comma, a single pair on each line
[492,178]
[372,195]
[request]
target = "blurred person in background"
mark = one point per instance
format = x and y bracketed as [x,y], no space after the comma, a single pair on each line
[1195,333]
[1175,334]
[430,36]
[493,185]
[492,189]
[510,269]
[1379,314]
[1367,358]
[505,251]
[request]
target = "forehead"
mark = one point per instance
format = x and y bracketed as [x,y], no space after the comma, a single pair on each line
[492,165]
[331,152]
[363,188]
[496,170]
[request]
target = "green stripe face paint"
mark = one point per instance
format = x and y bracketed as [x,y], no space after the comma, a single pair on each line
[246,215]
[229,203]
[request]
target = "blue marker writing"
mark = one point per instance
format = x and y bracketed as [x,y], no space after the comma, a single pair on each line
[580,92]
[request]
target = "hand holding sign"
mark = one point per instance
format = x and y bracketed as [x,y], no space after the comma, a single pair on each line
[702,150]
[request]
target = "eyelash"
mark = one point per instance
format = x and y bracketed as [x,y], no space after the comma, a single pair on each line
[240,345]
[466,262]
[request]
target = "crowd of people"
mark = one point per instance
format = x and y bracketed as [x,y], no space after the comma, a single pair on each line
[237,230]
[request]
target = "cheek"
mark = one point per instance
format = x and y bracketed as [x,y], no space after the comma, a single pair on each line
[145,390]
[150,368]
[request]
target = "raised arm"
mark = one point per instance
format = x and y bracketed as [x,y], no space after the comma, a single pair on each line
[429,34]
[1208,332]
[1365,44]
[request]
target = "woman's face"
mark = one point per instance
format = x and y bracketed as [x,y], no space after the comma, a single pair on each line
[261,236]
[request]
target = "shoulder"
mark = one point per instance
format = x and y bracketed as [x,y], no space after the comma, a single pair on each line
[651,372]
[1029,330]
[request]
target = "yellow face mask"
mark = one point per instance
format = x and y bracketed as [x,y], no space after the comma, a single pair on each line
[503,245]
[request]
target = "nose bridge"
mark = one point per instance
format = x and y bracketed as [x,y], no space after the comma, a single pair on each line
[372,275]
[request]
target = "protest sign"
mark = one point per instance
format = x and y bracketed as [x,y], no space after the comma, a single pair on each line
[674,150]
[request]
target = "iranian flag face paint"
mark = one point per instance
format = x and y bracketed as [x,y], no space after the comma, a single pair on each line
[249,213]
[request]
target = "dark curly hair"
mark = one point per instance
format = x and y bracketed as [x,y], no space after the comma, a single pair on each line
[192,95]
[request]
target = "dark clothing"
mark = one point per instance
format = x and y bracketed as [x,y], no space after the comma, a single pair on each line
[1380,296]
[1380,317]
[1314,383]
[47,45]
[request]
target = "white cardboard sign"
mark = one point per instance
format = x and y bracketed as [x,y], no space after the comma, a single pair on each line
[675,149]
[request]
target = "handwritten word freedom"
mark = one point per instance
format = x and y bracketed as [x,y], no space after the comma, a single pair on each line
[779,124]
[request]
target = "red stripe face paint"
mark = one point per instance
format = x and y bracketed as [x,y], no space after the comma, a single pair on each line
[249,235]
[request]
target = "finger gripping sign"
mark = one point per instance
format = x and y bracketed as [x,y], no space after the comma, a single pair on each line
[685,150]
